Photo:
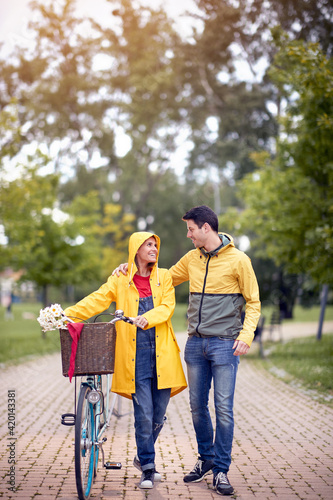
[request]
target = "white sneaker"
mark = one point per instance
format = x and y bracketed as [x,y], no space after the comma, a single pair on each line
[136,463]
[147,479]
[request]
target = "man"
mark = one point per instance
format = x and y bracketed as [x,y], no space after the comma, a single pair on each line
[220,277]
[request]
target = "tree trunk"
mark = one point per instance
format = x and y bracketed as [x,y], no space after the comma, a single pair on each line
[324,295]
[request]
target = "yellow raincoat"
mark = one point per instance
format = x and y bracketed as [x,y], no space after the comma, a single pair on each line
[122,290]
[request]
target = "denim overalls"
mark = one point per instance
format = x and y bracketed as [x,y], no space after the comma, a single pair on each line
[149,403]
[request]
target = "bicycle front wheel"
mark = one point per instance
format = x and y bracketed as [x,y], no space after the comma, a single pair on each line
[97,426]
[84,444]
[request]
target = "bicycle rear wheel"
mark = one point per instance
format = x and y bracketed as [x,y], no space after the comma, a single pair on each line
[84,444]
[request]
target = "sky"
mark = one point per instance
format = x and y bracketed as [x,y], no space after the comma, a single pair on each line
[15,14]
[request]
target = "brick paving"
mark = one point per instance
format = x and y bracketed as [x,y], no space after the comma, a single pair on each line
[282,448]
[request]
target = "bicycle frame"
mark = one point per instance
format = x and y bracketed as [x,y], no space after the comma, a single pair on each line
[94,410]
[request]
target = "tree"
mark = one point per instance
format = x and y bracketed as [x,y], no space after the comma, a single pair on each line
[51,78]
[42,241]
[82,84]
[53,247]
[219,92]
[76,107]
[223,67]
[289,197]
[307,20]
[105,229]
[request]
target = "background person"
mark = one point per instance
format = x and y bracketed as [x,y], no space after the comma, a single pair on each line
[7,302]
[147,362]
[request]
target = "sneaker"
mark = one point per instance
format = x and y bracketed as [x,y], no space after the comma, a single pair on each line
[201,469]
[147,479]
[136,463]
[222,485]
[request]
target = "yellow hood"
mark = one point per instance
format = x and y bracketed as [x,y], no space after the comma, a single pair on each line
[135,242]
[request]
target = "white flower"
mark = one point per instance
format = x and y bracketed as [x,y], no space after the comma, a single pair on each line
[52,318]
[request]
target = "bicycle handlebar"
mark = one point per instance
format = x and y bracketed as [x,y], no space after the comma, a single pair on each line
[119,316]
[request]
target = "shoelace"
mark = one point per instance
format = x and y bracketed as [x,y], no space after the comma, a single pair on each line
[198,466]
[148,474]
[221,478]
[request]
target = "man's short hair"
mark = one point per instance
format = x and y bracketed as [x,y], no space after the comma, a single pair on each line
[203,214]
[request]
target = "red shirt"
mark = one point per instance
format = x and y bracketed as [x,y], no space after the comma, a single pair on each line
[142,283]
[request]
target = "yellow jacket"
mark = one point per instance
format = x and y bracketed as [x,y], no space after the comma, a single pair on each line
[220,281]
[123,291]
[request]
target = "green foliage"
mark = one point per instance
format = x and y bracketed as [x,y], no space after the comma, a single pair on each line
[79,85]
[308,20]
[44,247]
[24,205]
[10,133]
[219,90]
[289,198]
[54,247]
[116,229]
[179,318]
[138,91]
[235,95]
[302,314]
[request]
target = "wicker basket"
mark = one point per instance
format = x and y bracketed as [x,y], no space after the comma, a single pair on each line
[95,350]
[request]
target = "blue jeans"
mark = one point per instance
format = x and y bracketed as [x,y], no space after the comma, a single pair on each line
[149,403]
[207,359]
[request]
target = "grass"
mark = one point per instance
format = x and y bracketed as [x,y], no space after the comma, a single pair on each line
[21,336]
[305,361]
[302,314]
[179,321]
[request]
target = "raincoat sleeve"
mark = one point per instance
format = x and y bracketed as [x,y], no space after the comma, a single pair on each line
[163,311]
[250,290]
[95,303]
[179,272]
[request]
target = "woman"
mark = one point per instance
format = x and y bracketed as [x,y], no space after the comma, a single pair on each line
[147,363]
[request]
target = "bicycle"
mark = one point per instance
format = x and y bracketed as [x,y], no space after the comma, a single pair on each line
[91,419]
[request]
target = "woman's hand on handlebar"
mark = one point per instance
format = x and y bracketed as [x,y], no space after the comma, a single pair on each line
[122,268]
[140,321]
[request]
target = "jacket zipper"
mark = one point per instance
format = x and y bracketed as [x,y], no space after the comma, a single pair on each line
[202,296]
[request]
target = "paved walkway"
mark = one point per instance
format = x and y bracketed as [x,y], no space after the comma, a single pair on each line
[282,449]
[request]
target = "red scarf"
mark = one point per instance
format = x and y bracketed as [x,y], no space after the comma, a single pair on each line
[75,330]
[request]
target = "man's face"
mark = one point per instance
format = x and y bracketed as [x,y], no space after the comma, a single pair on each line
[196,234]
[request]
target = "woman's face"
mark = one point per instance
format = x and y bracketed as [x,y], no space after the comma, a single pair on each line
[147,253]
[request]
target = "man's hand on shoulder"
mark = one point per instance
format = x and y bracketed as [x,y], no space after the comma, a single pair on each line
[120,269]
[240,348]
